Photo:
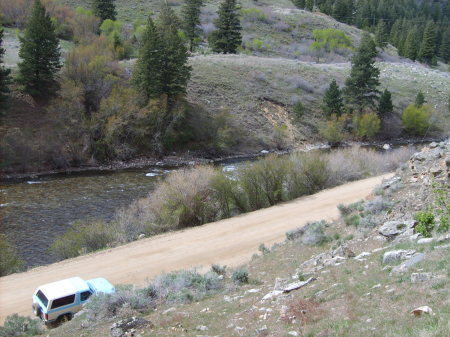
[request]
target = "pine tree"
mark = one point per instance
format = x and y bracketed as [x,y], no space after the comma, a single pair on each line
[5,78]
[381,35]
[191,17]
[227,38]
[444,51]
[340,10]
[361,87]
[309,5]
[299,3]
[105,9]
[420,99]
[411,46]
[427,48]
[162,67]
[385,107]
[40,54]
[332,100]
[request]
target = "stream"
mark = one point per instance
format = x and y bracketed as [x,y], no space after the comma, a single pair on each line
[33,212]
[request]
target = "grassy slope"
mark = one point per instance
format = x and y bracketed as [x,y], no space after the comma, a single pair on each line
[280,70]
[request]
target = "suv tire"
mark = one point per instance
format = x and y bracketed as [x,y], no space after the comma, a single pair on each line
[37,310]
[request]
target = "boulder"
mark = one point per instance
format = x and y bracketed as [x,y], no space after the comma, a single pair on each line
[405,266]
[421,277]
[391,229]
[397,255]
[422,310]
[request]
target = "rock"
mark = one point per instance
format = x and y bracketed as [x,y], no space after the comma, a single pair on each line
[422,310]
[141,236]
[425,241]
[252,291]
[343,251]
[201,328]
[297,285]
[376,286]
[404,267]
[447,246]
[127,327]
[206,310]
[397,255]
[272,294]
[165,312]
[443,238]
[391,229]
[433,145]
[421,277]
[262,329]
[293,333]
[264,152]
[386,147]
[362,256]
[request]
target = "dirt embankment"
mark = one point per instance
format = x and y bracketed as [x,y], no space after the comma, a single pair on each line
[231,242]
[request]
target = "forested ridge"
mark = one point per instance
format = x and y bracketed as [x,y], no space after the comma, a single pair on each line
[409,25]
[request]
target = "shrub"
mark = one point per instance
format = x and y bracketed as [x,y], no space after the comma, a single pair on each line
[314,234]
[308,175]
[10,262]
[83,238]
[367,125]
[425,224]
[262,182]
[19,326]
[416,120]
[125,302]
[184,286]
[333,130]
[218,269]
[240,276]
[253,15]
[184,198]
[263,249]
[298,110]
[329,40]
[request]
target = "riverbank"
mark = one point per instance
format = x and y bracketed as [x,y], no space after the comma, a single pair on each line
[187,159]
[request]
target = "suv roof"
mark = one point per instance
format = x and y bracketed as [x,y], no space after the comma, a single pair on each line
[64,288]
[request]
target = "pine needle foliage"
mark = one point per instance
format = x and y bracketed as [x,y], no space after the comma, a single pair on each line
[40,54]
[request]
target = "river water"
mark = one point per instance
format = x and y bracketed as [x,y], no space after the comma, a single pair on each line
[34,212]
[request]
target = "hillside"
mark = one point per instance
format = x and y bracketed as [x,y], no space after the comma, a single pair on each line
[370,273]
[274,73]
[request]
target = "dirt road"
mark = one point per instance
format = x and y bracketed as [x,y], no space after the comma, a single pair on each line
[228,242]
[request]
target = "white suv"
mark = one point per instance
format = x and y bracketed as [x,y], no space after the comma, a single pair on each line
[62,299]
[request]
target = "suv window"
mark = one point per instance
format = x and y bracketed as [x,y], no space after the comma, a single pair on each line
[42,298]
[59,302]
[85,295]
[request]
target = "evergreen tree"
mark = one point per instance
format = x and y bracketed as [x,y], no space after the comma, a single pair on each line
[444,51]
[5,78]
[340,11]
[191,17]
[411,46]
[227,38]
[162,67]
[40,54]
[299,3]
[381,35]
[332,100]
[361,87]
[309,5]
[427,48]
[105,9]
[420,99]
[385,107]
